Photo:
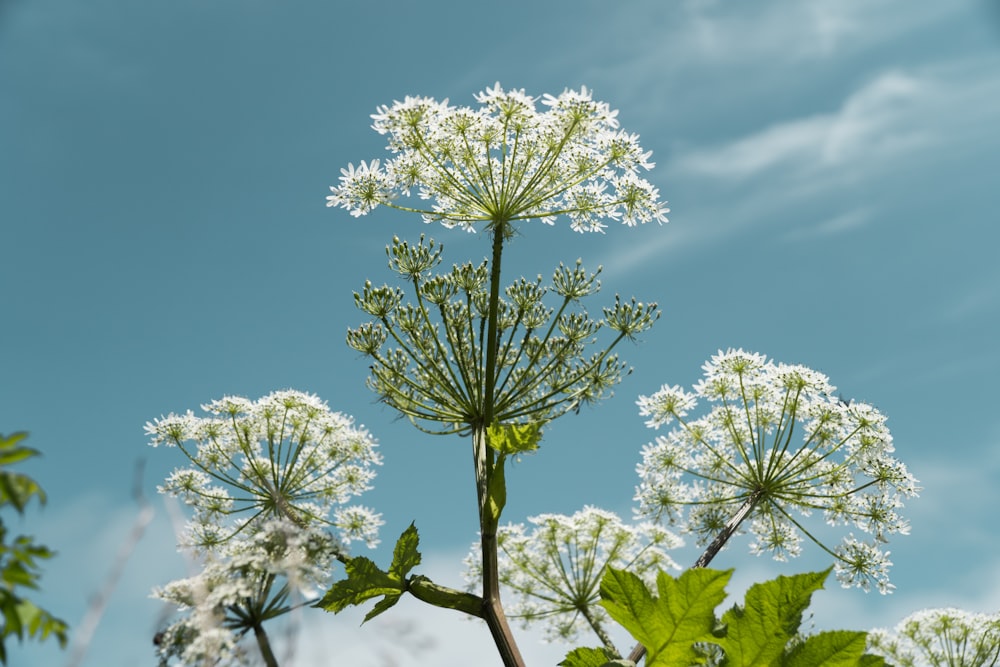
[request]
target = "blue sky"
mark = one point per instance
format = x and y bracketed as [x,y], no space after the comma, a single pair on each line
[831,169]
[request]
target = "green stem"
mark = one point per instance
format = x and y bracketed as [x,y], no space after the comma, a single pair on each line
[427,591]
[599,631]
[485,460]
[264,644]
[492,609]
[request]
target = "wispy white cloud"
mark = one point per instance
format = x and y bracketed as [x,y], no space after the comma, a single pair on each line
[88,535]
[838,224]
[794,31]
[898,129]
[874,123]
[978,298]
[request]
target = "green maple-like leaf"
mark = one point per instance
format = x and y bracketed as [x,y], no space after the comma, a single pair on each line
[675,625]
[364,581]
[669,625]
[405,555]
[758,632]
[594,657]
[836,648]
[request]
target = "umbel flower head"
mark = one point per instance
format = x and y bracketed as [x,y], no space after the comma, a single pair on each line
[554,570]
[504,161]
[285,456]
[940,637]
[776,441]
[269,484]
[430,355]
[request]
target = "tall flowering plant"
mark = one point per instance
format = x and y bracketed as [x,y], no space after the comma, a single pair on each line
[459,351]
[774,446]
[466,354]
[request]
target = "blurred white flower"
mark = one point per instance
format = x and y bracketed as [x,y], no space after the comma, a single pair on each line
[946,637]
[269,484]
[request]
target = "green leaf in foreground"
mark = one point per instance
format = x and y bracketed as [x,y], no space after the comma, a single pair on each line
[671,624]
[759,631]
[836,648]
[679,624]
[594,657]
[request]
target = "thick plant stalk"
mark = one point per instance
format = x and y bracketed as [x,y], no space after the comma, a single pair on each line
[485,460]
[264,644]
[720,540]
[493,612]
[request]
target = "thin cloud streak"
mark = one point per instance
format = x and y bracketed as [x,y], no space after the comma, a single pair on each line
[871,127]
[900,125]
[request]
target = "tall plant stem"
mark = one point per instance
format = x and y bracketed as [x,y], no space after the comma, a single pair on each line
[264,644]
[485,461]
[714,548]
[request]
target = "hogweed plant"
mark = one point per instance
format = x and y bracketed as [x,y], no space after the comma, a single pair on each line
[463,358]
[269,485]
[775,446]
[458,351]
[941,638]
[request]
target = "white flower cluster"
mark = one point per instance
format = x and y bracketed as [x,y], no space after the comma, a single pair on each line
[506,161]
[269,484]
[776,436]
[940,637]
[554,570]
[286,455]
[249,577]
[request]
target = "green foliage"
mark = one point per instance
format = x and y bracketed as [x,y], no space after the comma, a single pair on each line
[670,625]
[594,657]
[679,627]
[508,439]
[365,580]
[19,559]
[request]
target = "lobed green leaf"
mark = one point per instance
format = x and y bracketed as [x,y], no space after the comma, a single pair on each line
[508,439]
[405,555]
[668,626]
[594,657]
[759,631]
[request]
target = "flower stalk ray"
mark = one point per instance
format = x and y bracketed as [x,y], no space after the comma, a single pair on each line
[505,162]
[441,371]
